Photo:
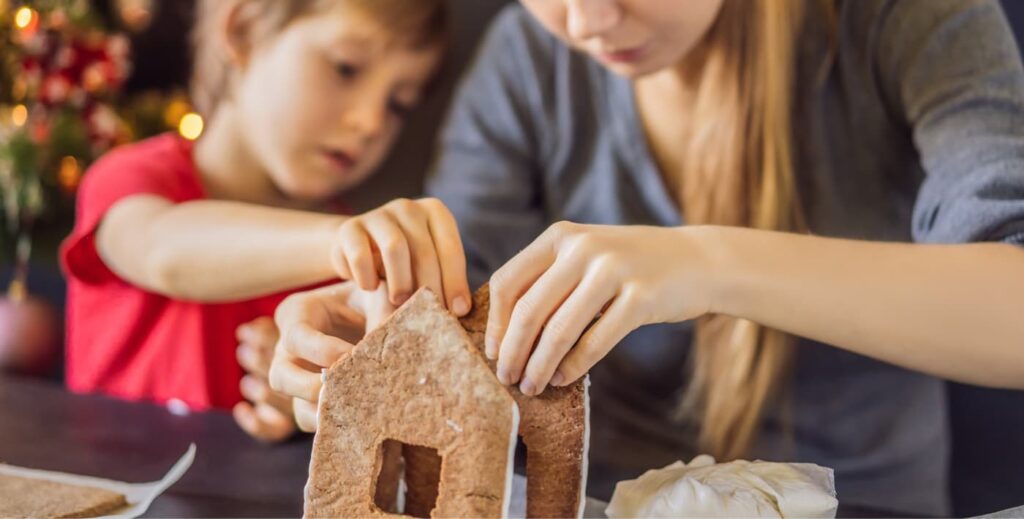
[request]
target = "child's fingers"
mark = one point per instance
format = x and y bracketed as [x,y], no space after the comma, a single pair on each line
[257,390]
[531,314]
[413,220]
[254,360]
[451,257]
[262,423]
[564,328]
[355,244]
[395,255]
[608,331]
[259,332]
[305,415]
[277,426]
[245,416]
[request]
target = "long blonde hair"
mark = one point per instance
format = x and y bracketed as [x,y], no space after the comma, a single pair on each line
[738,170]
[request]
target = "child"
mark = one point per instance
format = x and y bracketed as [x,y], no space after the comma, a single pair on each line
[176,245]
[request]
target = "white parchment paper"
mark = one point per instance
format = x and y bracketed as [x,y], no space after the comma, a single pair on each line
[138,495]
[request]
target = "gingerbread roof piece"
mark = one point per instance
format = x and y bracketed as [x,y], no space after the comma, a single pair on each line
[555,426]
[416,380]
[29,497]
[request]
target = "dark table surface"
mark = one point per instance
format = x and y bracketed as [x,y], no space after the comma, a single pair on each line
[42,426]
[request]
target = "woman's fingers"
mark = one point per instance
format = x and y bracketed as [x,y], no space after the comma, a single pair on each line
[288,377]
[613,325]
[450,256]
[511,281]
[530,314]
[394,250]
[355,246]
[564,329]
[305,415]
[314,346]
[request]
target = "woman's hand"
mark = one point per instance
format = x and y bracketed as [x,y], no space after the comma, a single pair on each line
[318,328]
[411,244]
[266,414]
[610,278]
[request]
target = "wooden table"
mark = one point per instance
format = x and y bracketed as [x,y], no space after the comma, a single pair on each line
[42,426]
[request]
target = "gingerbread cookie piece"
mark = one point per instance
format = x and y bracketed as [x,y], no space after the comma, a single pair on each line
[555,427]
[28,497]
[417,380]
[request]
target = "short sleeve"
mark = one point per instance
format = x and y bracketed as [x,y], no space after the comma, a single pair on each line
[954,72]
[160,166]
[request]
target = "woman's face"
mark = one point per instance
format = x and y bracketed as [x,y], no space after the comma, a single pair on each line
[630,37]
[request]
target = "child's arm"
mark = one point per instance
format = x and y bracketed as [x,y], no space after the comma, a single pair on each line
[212,250]
[221,251]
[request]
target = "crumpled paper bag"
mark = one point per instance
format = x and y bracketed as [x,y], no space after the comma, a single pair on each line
[704,488]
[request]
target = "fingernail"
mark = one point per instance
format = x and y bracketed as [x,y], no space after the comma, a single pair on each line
[490,346]
[460,306]
[557,379]
[401,298]
[527,387]
[503,376]
[248,385]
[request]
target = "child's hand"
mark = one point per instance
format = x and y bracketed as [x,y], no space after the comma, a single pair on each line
[317,328]
[411,244]
[267,414]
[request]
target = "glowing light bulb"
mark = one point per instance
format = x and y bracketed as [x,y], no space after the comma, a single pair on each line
[191,126]
[19,115]
[23,17]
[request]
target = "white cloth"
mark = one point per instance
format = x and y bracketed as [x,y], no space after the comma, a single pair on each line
[703,488]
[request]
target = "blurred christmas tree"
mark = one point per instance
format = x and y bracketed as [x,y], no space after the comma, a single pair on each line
[61,71]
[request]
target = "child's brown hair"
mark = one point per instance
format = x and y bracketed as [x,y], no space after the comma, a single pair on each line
[420,23]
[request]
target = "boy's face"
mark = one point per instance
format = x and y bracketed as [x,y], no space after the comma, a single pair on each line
[321,103]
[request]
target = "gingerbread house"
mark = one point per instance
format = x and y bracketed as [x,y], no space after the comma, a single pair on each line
[416,404]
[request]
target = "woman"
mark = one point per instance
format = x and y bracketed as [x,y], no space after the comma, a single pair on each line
[803,143]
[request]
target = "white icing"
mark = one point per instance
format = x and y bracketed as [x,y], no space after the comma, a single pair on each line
[319,405]
[455,427]
[510,462]
[586,447]
[704,488]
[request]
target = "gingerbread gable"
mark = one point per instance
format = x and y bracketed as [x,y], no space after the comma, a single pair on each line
[417,380]
[418,391]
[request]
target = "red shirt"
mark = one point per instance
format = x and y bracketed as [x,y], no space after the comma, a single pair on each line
[125,341]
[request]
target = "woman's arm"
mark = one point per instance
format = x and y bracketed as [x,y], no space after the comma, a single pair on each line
[953,311]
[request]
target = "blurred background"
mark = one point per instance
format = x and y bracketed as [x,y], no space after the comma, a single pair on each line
[80,76]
